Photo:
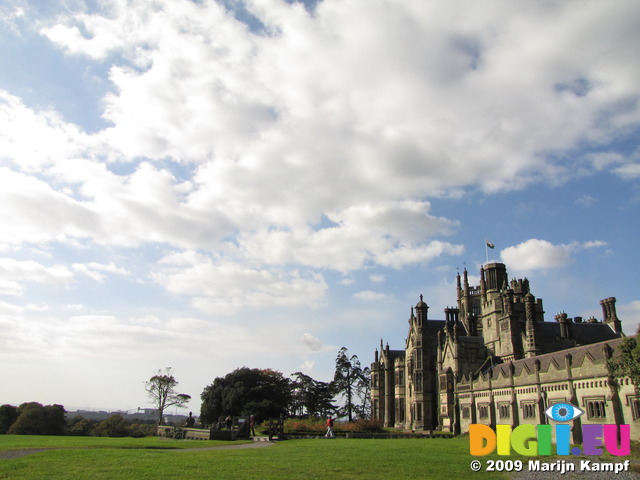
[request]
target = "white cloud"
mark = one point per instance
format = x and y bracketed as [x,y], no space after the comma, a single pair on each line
[9,309]
[313,343]
[369,295]
[31,271]
[97,271]
[307,366]
[10,287]
[602,160]
[10,13]
[586,200]
[38,212]
[630,316]
[404,254]
[389,234]
[629,171]
[274,149]
[592,244]
[56,139]
[204,87]
[536,254]
[225,287]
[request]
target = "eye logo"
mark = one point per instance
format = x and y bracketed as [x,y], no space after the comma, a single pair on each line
[563,412]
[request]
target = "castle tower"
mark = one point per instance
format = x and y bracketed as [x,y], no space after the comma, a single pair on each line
[502,313]
[495,276]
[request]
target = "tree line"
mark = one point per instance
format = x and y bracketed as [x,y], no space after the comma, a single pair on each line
[264,393]
[267,393]
[33,418]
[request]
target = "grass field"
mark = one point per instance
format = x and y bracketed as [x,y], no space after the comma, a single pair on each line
[154,458]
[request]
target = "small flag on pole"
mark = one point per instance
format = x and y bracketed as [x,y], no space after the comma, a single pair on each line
[490,245]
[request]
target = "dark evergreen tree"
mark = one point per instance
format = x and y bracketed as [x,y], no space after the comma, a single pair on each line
[264,393]
[363,387]
[311,397]
[350,381]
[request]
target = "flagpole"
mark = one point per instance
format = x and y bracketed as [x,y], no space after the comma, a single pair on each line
[486,250]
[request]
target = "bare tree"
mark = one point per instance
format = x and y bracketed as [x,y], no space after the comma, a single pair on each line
[161,391]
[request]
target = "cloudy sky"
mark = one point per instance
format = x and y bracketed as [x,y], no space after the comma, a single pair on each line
[211,184]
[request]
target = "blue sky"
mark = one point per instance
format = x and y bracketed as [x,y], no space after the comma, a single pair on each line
[208,185]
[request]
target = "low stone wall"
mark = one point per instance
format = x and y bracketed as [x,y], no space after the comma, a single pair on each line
[188,433]
[198,433]
[371,435]
[222,435]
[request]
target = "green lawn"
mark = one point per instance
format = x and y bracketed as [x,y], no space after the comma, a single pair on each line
[15,442]
[110,458]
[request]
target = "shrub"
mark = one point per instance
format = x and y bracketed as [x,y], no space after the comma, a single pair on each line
[176,433]
[360,426]
[304,425]
[318,425]
[139,430]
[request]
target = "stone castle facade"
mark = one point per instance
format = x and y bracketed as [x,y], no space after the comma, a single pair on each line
[494,360]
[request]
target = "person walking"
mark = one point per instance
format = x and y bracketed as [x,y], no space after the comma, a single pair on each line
[252,424]
[329,433]
[229,423]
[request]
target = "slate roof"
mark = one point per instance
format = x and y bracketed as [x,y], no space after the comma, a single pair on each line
[583,333]
[595,351]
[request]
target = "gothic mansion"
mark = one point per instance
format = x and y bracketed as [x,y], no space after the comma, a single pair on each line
[494,360]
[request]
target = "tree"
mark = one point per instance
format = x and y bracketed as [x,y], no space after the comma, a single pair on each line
[80,426]
[626,361]
[311,397]
[8,415]
[56,419]
[264,393]
[114,426]
[161,391]
[35,419]
[363,388]
[350,380]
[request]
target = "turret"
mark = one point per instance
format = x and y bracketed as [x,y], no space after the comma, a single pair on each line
[421,311]
[466,283]
[530,315]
